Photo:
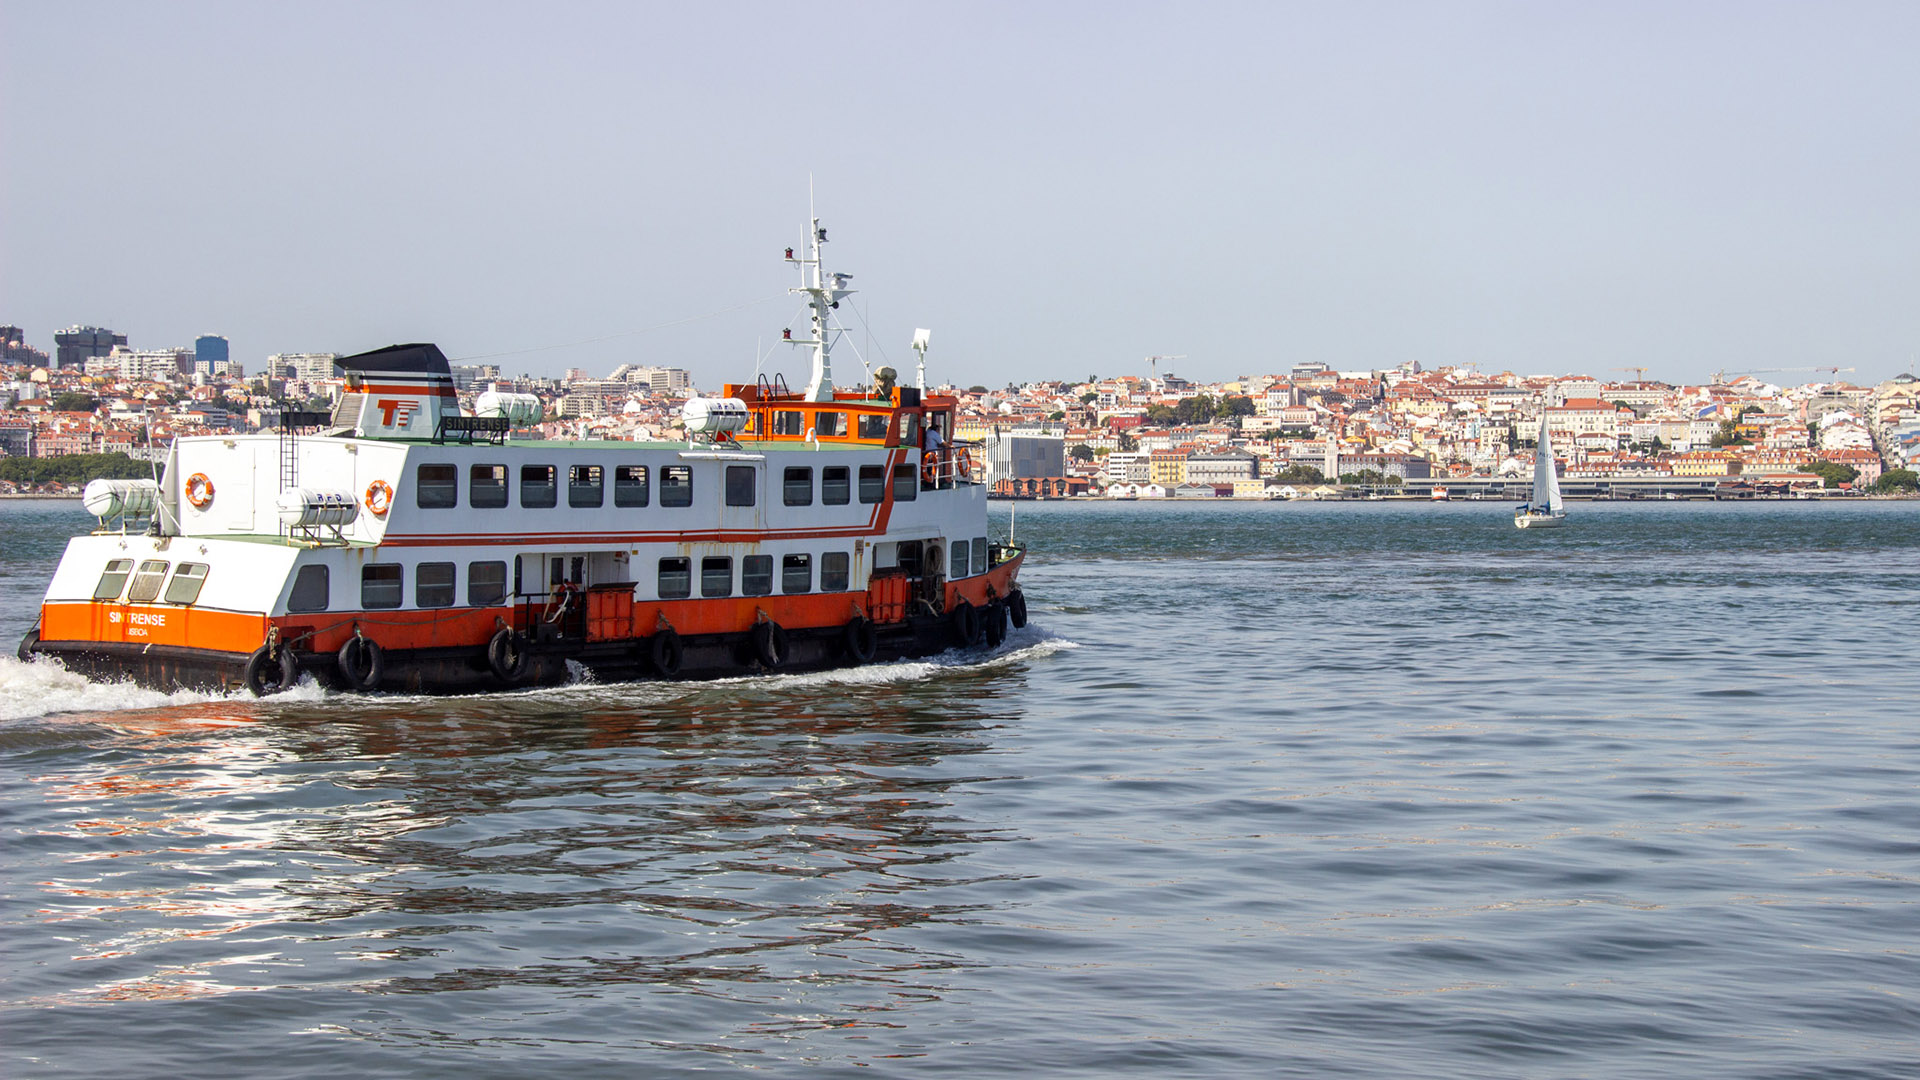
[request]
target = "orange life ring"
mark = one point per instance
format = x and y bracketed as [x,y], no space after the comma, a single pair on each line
[962,464]
[929,467]
[379,497]
[199,491]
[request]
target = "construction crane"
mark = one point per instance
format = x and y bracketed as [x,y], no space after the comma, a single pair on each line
[1640,373]
[1154,362]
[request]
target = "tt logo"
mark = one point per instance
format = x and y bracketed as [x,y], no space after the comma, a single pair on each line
[396,412]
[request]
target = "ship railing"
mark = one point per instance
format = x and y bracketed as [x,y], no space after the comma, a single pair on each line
[959,462]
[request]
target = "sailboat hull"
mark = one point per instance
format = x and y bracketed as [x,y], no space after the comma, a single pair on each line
[1539,521]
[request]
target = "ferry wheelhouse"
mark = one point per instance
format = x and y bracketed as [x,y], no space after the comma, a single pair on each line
[397,544]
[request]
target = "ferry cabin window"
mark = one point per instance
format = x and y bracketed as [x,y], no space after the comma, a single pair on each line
[433,585]
[537,489]
[833,571]
[113,579]
[188,577]
[676,578]
[958,564]
[907,557]
[630,485]
[436,487]
[756,575]
[873,483]
[716,575]
[676,485]
[786,423]
[486,583]
[309,590]
[586,486]
[487,487]
[798,486]
[381,585]
[146,581]
[829,424]
[740,485]
[906,483]
[834,485]
[796,573]
[979,554]
[873,425]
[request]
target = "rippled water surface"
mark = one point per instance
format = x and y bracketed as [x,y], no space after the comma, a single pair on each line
[1368,790]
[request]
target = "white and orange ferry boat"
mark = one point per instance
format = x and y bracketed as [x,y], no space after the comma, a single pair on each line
[397,544]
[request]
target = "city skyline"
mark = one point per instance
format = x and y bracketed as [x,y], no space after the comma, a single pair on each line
[1056,193]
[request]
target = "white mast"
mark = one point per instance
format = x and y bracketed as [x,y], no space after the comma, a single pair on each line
[921,339]
[824,292]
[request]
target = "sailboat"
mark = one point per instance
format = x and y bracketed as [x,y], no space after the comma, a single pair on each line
[1546,510]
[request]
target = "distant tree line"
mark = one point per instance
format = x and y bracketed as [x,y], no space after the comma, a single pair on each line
[73,469]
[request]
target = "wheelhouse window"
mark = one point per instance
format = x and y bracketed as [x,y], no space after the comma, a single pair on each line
[787,423]
[676,578]
[586,486]
[188,578]
[873,483]
[980,554]
[957,557]
[630,485]
[906,483]
[486,583]
[676,485]
[716,575]
[146,581]
[537,488]
[487,487]
[381,585]
[797,486]
[829,424]
[835,485]
[833,571]
[873,425]
[436,487]
[740,485]
[433,585]
[113,579]
[310,589]
[796,573]
[756,575]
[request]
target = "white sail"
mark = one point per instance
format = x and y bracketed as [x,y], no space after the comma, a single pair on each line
[1546,482]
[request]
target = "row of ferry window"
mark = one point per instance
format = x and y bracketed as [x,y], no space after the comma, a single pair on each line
[383,585]
[183,588]
[437,486]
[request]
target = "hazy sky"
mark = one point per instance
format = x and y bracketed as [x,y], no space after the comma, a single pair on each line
[1056,189]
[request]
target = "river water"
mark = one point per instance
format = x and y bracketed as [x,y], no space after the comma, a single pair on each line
[1334,790]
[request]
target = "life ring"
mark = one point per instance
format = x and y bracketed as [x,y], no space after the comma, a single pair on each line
[962,464]
[508,656]
[362,662]
[1017,608]
[379,497]
[996,624]
[929,467]
[769,645]
[268,673]
[861,640]
[965,623]
[199,491]
[666,652]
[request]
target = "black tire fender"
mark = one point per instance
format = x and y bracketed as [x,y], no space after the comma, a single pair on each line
[769,645]
[362,662]
[267,673]
[28,644]
[1017,608]
[666,652]
[965,623]
[861,640]
[996,624]
[508,656]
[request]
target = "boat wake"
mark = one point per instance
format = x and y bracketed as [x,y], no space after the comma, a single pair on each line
[44,687]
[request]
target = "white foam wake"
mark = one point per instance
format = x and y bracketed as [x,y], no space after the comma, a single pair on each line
[44,687]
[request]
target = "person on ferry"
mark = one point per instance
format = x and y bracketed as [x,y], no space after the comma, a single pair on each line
[932,446]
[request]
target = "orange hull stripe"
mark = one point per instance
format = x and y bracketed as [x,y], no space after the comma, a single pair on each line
[153,624]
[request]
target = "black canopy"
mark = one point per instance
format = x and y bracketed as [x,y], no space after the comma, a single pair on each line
[420,358]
